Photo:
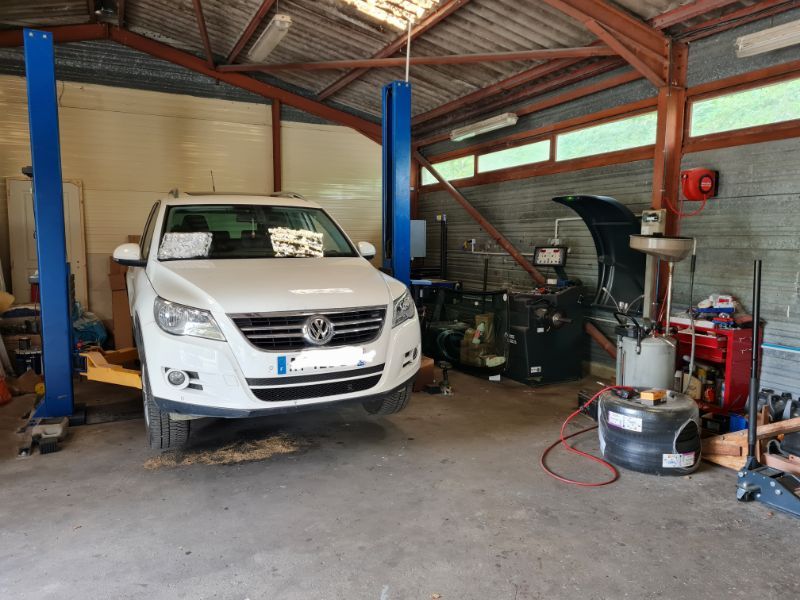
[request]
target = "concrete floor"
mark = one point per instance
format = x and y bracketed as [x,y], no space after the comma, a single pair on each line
[443,500]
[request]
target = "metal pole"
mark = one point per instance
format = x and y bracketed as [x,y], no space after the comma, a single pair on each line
[48,210]
[752,437]
[669,298]
[397,179]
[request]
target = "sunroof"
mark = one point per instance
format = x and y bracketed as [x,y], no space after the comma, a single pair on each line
[396,13]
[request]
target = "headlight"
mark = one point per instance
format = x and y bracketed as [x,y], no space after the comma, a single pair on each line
[403,309]
[178,319]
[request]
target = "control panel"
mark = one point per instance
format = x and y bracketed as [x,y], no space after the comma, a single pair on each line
[550,256]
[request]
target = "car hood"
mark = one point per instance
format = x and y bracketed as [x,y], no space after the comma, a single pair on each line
[274,284]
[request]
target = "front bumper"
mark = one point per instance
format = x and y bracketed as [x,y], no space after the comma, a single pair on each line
[226,377]
[270,408]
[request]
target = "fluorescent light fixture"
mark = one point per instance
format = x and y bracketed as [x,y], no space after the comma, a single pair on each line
[767,40]
[276,30]
[490,124]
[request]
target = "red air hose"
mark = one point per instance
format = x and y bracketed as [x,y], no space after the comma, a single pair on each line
[563,441]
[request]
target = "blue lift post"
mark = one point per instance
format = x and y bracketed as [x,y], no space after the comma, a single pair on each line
[397,179]
[48,207]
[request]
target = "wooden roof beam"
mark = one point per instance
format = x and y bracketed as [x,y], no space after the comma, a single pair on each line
[446,8]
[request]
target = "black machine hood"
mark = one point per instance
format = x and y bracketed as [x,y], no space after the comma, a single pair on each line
[620,269]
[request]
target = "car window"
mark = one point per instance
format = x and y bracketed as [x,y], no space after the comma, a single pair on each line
[254,231]
[147,236]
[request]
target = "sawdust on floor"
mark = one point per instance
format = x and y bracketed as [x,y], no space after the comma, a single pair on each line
[230,454]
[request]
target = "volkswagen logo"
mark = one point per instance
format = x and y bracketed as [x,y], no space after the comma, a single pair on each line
[318,330]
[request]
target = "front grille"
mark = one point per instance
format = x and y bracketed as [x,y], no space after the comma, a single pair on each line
[302,392]
[284,331]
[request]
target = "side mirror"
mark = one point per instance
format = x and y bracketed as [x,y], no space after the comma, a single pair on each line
[366,250]
[128,255]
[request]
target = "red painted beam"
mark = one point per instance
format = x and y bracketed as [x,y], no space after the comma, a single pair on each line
[250,30]
[201,25]
[543,87]
[61,34]
[448,59]
[446,9]
[494,89]
[481,220]
[687,12]
[193,63]
[627,25]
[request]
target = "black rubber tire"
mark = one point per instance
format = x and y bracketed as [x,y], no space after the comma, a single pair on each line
[391,404]
[163,432]
[668,429]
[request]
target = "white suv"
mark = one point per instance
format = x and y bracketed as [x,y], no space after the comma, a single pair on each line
[252,305]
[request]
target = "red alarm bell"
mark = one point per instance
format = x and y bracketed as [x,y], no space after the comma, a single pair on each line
[699,184]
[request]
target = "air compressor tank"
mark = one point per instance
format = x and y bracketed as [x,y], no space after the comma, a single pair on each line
[648,362]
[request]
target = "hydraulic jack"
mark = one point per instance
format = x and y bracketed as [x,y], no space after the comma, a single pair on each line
[768,485]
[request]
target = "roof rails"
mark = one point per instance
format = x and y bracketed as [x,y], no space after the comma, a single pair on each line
[294,195]
[174,193]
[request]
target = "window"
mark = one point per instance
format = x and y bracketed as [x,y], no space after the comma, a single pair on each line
[607,137]
[458,168]
[513,157]
[254,231]
[749,108]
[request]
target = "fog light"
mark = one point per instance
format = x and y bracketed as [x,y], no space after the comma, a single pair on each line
[177,379]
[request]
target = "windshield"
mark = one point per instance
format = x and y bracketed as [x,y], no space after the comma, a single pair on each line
[250,231]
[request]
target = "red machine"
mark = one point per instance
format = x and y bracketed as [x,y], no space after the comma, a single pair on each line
[699,184]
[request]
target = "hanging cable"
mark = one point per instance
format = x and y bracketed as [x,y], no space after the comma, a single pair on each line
[563,441]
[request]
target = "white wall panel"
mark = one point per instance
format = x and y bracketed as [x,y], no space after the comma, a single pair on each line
[338,168]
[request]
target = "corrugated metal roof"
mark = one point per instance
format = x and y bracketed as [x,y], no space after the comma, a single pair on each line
[336,29]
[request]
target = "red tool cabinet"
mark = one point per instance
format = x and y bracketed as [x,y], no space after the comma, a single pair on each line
[729,350]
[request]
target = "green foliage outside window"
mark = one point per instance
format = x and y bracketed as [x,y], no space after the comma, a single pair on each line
[621,134]
[513,157]
[749,108]
[458,168]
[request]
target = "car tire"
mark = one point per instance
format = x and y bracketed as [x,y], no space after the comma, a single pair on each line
[163,432]
[393,403]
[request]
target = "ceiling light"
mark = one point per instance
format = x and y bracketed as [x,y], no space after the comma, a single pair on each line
[490,124]
[768,39]
[276,30]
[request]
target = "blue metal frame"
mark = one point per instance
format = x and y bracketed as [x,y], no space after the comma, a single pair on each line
[48,205]
[397,179]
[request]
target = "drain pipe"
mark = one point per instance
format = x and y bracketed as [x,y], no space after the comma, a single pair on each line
[479,218]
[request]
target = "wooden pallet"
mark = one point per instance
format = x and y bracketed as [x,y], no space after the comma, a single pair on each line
[730,450]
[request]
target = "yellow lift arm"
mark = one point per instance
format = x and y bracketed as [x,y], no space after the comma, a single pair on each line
[107,367]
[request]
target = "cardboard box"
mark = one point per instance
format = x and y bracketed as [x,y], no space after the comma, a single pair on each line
[116,281]
[114,268]
[123,328]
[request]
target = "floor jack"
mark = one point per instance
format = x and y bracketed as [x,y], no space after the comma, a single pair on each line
[768,485]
